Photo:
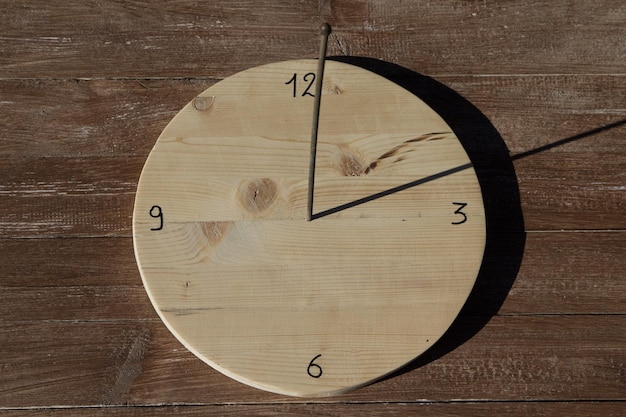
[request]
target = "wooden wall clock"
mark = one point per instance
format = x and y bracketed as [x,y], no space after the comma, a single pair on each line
[297,307]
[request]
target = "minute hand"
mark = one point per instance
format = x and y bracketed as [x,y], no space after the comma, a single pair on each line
[394,190]
[324,32]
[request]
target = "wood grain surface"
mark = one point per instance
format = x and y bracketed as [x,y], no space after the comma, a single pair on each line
[86,87]
[308,303]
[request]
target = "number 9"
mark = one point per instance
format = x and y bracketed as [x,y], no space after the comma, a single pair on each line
[157,213]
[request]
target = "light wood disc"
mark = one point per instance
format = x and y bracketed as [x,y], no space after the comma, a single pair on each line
[308,308]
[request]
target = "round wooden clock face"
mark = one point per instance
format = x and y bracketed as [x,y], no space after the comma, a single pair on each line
[300,307]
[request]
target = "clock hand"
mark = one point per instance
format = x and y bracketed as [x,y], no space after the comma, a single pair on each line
[324,32]
[394,190]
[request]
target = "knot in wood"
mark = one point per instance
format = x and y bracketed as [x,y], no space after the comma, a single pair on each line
[258,194]
[201,103]
[350,165]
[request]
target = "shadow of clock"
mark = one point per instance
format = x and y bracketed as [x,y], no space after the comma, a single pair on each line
[494,168]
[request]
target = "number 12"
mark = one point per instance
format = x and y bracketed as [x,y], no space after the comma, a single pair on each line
[308,77]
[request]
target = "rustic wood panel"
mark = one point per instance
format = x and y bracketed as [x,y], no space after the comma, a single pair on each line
[85,118]
[87,86]
[163,39]
[582,175]
[66,118]
[437,409]
[88,279]
[557,358]
[425,409]
[52,197]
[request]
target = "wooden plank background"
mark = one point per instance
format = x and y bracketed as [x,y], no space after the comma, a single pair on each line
[87,86]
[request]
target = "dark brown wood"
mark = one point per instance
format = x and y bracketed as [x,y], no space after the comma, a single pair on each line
[570,273]
[86,87]
[425,409]
[85,118]
[163,39]
[558,358]
[80,118]
[558,191]
[56,196]
[88,279]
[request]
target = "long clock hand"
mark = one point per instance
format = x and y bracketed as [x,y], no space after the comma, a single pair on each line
[324,32]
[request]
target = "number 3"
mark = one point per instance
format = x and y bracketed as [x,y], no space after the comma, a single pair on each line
[458,211]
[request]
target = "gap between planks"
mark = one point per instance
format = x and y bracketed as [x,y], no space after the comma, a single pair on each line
[216,79]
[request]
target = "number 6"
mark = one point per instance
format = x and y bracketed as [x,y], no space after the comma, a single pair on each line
[317,370]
